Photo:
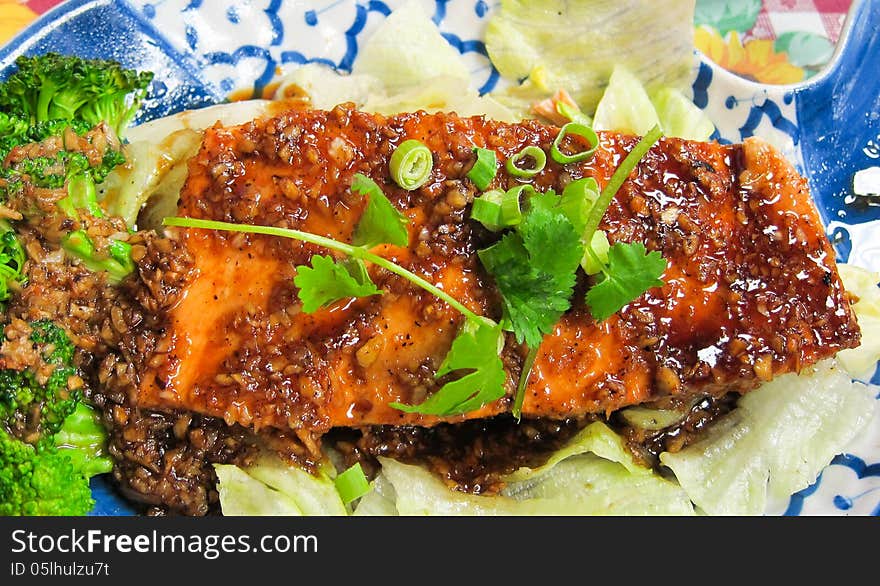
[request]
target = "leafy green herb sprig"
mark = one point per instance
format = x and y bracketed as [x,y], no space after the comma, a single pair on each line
[535,262]
[474,351]
[534,265]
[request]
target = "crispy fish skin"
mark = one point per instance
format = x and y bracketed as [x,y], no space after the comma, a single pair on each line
[751,289]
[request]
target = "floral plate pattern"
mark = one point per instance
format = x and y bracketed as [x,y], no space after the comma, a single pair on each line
[204,52]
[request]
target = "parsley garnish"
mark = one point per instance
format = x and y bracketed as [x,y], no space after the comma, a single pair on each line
[534,269]
[630,271]
[328,281]
[381,222]
[534,264]
[475,351]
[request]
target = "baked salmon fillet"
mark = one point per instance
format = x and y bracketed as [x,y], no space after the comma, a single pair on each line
[751,288]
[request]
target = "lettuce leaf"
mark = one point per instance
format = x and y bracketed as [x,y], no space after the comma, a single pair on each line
[408,48]
[861,362]
[575,45]
[326,88]
[242,495]
[775,443]
[626,107]
[272,486]
[406,65]
[315,494]
[156,156]
[592,475]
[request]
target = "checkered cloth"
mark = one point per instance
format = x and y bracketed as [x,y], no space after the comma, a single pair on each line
[822,17]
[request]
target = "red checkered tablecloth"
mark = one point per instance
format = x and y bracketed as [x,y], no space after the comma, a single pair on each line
[821,17]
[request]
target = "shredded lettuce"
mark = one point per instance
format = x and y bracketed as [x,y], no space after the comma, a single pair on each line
[242,495]
[774,443]
[314,494]
[248,491]
[380,501]
[592,475]
[326,88]
[626,107]
[575,45]
[406,49]
[861,362]
[680,117]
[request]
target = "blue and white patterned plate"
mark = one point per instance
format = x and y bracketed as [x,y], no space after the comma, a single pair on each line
[202,52]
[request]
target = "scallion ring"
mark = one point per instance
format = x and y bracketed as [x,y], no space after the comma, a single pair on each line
[484,170]
[575,129]
[411,164]
[539,161]
[511,204]
[486,209]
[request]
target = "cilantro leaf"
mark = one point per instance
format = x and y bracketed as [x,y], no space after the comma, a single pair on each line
[534,268]
[474,349]
[533,299]
[630,271]
[328,281]
[381,222]
[553,242]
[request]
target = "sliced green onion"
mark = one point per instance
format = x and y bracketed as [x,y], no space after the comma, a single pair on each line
[411,164]
[538,156]
[511,207]
[486,210]
[352,484]
[595,257]
[573,113]
[617,178]
[484,169]
[575,129]
[577,200]
[511,204]
[498,209]
[524,375]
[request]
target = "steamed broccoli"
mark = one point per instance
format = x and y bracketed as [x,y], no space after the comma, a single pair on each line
[83,440]
[12,258]
[15,131]
[50,441]
[52,86]
[40,480]
[45,97]
[35,409]
[116,259]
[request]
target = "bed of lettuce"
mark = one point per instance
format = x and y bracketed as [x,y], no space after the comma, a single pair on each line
[773,444]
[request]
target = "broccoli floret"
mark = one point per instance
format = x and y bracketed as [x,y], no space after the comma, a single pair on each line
[54,342]
[83,439]
[33,410]
[53,86]
[12,258]
[116,259]
[40,480]
[55,171]
[15,131]
[51,442]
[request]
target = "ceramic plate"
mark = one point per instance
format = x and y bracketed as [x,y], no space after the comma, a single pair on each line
[203,52]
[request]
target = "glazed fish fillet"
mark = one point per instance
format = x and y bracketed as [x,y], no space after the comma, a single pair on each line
[751,289]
